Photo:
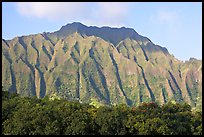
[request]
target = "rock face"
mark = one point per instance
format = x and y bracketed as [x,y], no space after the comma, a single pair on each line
[110,65]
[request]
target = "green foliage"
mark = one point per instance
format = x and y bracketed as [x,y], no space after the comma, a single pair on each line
[95,103]
[33,116]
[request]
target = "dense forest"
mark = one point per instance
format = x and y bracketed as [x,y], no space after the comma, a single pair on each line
[34,116]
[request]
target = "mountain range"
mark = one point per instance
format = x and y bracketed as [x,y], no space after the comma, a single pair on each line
[105,65]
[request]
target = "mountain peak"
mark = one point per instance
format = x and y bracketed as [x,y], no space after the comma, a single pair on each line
[69,29]
[113,35]
[75,24]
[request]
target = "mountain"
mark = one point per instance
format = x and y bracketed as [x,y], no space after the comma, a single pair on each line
[105,65]
[112,35]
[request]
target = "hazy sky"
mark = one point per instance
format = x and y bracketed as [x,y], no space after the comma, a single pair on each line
[174,25]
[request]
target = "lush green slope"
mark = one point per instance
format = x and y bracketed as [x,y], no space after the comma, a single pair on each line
[74,64]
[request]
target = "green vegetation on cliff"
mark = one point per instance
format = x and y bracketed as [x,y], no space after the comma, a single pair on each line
[107,65]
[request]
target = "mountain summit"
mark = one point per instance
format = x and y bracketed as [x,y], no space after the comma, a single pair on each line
[113,35]
[98,65]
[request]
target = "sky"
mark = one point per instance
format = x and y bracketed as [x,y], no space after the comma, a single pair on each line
[174,25]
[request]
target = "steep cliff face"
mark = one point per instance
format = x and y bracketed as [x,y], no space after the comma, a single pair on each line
[110,65]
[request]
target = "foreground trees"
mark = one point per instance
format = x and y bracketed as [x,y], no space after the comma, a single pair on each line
[32,116]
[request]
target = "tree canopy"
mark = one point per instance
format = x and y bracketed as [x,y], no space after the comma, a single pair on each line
[33,116]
